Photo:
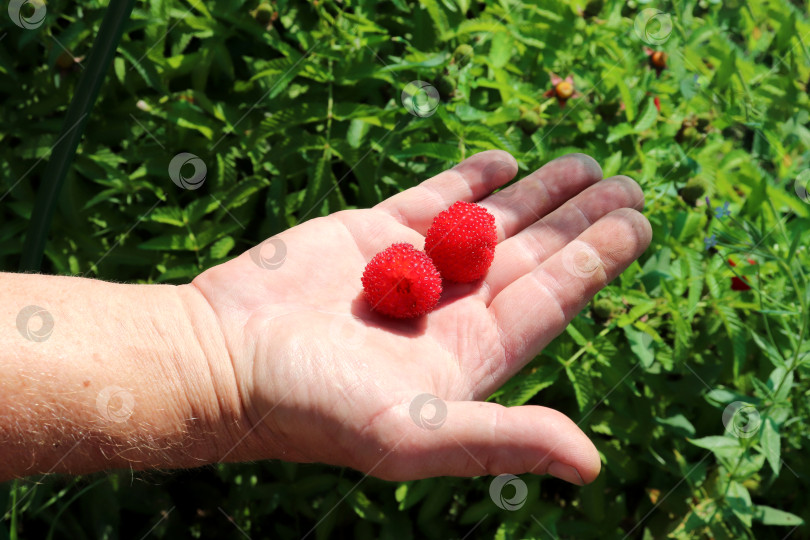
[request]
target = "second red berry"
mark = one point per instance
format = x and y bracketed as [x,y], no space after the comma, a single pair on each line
[461,241]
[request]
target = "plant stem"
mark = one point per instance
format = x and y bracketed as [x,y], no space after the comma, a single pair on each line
[64,150]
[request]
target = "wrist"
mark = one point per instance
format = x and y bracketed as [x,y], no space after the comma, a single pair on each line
[130,376]
[213,394]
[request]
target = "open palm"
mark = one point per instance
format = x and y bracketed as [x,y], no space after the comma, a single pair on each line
[322,377]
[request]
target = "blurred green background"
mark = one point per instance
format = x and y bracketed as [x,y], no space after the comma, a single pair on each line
[689,373]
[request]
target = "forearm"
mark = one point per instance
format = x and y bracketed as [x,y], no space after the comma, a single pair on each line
[128,376]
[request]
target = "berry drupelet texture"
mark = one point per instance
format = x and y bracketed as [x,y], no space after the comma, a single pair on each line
[402,282]
[461,241]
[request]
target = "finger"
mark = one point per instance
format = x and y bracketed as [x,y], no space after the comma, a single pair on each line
[522,253]
[536,308]
[523,203]
[478,438]
[472,179]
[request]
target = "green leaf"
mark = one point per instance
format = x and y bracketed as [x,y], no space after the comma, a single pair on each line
[679,424]
[686,225]
[220,248]
[622,130]
[318,186]
[647,118]
[627,99]
[199,208]
[170,215]
[739,500]
[410,493]
[725,71]
[771,444]
[438,16]
[611,165]
[737,332]
[528,386]
[781,378]
[774,516]
[583,384]
[364,508]
[294,115]
[442,151]
[170,242]
[641,345]
[357,132]
[683,336]
[771,352]
[722,396]
[185,272]
[716,442]
[722,447]
[500,50]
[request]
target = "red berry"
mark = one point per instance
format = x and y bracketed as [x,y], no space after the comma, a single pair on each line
[402,282]
[740,283]
[461,241]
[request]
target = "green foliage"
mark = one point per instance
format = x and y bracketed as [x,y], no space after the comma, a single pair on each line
[694,393]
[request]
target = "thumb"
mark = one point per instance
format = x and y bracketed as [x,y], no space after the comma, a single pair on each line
[468,438]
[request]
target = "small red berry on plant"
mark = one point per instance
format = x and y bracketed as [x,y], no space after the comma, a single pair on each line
[658,60]
[402,282]
[740,283]
[562,89]
[461,241]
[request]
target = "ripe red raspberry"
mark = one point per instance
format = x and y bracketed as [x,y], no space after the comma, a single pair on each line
[402,282]
[461,241]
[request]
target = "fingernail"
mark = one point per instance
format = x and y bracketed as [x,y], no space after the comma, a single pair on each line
[565,472]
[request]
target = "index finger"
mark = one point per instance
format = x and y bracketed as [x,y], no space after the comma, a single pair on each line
[471,180]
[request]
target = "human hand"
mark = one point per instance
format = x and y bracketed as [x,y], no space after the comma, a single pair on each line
[321,377]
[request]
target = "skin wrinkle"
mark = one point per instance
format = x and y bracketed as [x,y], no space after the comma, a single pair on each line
[348,230]
[582,213]
[535,256]
[500,219]
[545,199]
[436,194]
[463,182]
[547,227]
[492,369]
[552,291]
[221,400]
[501,341]
[491,465]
